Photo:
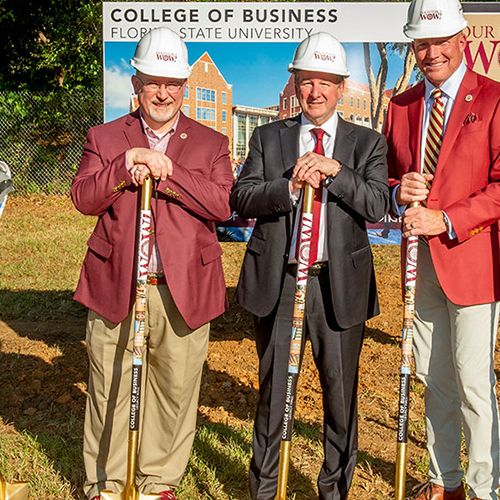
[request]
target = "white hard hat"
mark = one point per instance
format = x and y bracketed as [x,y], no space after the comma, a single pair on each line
[161,52]
[320,52]
[434,19]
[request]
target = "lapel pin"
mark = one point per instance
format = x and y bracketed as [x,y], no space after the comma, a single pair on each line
[183,135]
[468,98]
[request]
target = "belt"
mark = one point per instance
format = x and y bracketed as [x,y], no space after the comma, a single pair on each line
[156,279]
[313,270]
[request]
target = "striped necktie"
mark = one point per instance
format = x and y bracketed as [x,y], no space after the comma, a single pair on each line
[434,136]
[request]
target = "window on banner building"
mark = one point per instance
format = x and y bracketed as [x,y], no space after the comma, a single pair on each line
[205,114]
[241,139]
[253,123]
[205,94]
[206,106]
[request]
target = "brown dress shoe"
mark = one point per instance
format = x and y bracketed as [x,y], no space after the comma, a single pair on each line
[432,491]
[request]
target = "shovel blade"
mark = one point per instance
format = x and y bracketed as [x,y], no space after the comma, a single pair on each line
[14,491]
[124,495]
[109,495]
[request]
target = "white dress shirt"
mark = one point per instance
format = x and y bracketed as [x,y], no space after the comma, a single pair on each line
[159,142]
[307,143]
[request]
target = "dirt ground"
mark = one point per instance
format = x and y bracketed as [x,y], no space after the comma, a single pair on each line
[45,371]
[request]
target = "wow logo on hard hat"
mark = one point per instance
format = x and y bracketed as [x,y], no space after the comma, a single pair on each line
[324,56]
[434,19]
[166,56]
[430,15]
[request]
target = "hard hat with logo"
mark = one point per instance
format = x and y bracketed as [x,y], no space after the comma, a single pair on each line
[161,52]
[434,19]
[320,52]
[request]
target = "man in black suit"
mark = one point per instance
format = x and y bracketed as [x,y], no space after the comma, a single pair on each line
[349,173]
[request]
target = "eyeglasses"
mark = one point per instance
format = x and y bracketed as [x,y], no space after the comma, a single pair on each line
[170,87]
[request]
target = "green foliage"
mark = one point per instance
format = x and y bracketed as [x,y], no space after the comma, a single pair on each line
[48,44]
[42,135]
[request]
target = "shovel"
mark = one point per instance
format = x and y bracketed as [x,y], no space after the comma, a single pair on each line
[130,492]
[297,340]
[14,491]
[406,359]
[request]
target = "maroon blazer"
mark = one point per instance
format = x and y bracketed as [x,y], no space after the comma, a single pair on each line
[185,208]
[466,184]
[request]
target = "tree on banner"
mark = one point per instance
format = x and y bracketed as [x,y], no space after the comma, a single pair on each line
[377,85]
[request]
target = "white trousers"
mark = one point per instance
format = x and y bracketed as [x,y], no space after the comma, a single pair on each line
[454,348]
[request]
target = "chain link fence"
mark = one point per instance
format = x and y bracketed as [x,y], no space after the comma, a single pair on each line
[42,136]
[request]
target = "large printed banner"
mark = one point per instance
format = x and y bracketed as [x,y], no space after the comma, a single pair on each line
[240,54]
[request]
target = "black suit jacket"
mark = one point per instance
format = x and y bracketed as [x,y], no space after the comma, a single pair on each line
[358,194]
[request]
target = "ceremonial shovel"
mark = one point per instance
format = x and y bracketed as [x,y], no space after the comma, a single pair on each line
[297,339]
[14,491]
[406,357]
[130,492]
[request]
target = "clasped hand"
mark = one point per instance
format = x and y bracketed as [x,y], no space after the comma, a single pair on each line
[313,169]
[146,161]
[418,221]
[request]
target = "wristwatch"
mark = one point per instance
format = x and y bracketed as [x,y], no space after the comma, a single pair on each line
[330,178]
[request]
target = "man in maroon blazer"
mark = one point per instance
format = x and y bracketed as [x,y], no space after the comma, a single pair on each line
[193,179]
[455,175]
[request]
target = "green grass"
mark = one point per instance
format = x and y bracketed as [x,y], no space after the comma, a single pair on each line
[26,458]
[42,244]
[422,463]
[217,468]
[42,251]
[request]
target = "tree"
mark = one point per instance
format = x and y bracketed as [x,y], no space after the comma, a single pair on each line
[377,86]
[48,44]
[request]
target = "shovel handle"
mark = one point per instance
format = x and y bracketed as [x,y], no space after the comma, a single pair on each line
[297,339]
[406,360]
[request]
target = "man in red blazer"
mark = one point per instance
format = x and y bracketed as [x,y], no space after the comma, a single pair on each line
[458,272]
[193,179]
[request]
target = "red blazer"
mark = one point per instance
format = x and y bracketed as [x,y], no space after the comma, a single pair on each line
[184,214]
[465,185]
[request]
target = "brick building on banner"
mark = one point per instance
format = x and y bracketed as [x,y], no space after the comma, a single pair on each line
[209,98]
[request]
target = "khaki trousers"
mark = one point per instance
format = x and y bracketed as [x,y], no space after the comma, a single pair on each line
[171,383]
[454,348]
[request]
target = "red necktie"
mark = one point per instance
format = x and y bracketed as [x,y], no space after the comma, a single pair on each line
[318,193]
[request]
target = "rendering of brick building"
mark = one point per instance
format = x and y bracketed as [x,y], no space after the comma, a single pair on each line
[209,98]
[289,104]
